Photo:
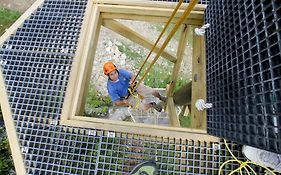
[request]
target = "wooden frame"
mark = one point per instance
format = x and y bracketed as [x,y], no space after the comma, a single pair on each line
[98,13]
[170,105]
[103,12]
[149,11]
[198,118]
[4,102]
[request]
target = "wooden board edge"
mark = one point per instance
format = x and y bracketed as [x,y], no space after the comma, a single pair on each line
[10,128]
[140,128]
[149,3]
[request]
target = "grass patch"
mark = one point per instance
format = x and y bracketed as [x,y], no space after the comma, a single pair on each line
[160,26]
[96,105]
[185,121]
[6,161]
[7,18]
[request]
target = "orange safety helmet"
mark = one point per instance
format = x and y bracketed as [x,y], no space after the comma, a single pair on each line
[108,67]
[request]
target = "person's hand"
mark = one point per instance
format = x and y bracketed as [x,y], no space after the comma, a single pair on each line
[132,84]
[126,102]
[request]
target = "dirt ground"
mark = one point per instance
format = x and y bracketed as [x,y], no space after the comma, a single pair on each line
[18,5]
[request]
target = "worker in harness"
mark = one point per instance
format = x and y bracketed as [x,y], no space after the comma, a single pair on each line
[120,80]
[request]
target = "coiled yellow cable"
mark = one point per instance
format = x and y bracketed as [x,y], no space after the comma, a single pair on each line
[243,165]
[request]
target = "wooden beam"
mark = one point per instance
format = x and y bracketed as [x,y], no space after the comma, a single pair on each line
[152,11]
[73,103]
[149,3]
[170,102]
[10,128]
[198,118]
[135,37]
[183,95]
[87,61]
[180,54]
[149,18]
[141,128]
[171,110]
[89,69]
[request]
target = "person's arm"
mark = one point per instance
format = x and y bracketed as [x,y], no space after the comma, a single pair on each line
[132,81]
[122,103]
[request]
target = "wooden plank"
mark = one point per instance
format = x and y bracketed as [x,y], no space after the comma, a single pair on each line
[10,128]
[170,102]
[135,37]
[88,68]
[180,54]
[183,95]
[67,110]
[171,110]
[85,70]
[152,11]
[149,3]
[199,81]
[149,18]
[140,128]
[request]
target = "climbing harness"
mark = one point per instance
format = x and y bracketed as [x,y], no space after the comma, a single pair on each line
[243,165]
[137,97]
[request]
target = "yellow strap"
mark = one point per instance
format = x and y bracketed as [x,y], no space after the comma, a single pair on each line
[135,96]
[243,165]
[187,11]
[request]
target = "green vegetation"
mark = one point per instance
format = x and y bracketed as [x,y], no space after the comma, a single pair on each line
[160,26]
[96,105]
[7,18]
[6,162]
[185,121]
[132,55]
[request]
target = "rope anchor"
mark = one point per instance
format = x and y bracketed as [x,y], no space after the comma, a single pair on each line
[201,31]
[201,105]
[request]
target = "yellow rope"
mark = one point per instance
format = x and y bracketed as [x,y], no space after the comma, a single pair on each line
[169,37]
[160,36]
[136,97]
[243,165]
